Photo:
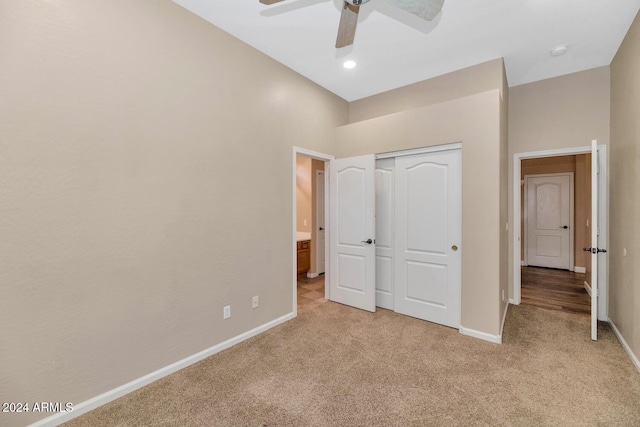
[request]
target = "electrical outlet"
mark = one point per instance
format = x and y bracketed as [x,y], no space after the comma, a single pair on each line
[503,295]
[305,222]
[255,302]
[226,313]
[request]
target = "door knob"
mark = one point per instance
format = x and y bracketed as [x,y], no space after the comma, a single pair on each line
[454,248]
[321,228]
[368,241]
[564,226]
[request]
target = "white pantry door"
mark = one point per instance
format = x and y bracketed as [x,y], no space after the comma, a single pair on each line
[352,232]
[428,231]
[549,221]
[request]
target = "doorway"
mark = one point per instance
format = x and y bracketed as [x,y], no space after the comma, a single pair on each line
[309,253]
[550,160]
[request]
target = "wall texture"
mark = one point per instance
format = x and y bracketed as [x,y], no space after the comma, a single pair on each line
[134,202]
[316,165]
[303,194]
[624,303]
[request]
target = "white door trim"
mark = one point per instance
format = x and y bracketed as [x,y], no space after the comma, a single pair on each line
[294,261]
[603,213]
[571,214]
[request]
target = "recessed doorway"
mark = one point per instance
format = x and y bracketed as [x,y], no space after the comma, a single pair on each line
[596,169]
[309,227]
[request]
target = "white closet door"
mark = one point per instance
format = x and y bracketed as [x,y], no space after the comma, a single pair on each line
[428,236]
[385,225]
[352,233]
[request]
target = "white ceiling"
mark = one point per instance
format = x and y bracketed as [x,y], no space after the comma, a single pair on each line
[394,48]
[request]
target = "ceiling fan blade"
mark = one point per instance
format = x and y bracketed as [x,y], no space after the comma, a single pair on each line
[270,1]
[425,9]
[347,27]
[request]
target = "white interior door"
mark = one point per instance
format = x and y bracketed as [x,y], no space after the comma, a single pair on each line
[549,221]
[594,239]
[428,230]
[385,235]
[320,237]
[352,238]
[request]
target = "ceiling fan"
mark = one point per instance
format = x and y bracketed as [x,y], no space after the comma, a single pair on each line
[425,9]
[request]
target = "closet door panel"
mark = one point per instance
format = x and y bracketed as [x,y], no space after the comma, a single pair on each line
[385,233]
[427,236]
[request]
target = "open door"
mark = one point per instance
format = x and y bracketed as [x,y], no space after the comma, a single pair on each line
[352,233]
[594,239]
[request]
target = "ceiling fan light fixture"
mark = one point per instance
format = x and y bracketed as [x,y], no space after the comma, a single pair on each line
[349,64]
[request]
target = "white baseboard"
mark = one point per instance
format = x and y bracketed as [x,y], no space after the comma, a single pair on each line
[118,392]
[512,301]
[634,358]
[587,287]
[312,275]
[579,269]
[523,263]
[481,335]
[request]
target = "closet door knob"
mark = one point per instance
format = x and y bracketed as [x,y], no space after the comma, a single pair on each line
[454,248]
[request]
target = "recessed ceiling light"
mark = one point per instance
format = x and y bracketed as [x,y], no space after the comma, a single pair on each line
[559,50]
[349,64]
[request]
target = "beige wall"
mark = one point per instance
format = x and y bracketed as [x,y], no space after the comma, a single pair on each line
[624,302]
[474,121]
[465,82]
[563,112]
[135,202]
[504,196]
[303,194]
[316,165]
[576,164]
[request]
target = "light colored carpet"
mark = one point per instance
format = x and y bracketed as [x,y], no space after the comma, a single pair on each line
[338,366]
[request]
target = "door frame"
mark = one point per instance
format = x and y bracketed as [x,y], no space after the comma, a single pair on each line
[319,250]
[572,219]
[603,209]
[294,260]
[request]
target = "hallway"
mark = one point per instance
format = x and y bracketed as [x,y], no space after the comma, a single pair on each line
[555,290]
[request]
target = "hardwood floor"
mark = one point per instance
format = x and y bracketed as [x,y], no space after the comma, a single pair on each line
[555,289]
[543,287]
